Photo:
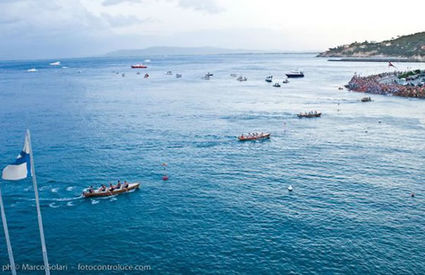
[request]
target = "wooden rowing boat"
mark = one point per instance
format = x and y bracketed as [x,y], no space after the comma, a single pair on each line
[96,193]
[246,138]
[309,115]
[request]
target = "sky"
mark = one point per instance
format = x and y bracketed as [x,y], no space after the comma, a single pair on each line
[73,28]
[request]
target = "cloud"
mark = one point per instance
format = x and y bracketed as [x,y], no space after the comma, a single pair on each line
[209,6]
[123,20]
[115,2]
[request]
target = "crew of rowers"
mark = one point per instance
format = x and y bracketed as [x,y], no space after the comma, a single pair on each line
[111,187]
[311,113]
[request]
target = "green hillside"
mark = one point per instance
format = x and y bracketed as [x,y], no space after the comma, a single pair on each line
[407,46]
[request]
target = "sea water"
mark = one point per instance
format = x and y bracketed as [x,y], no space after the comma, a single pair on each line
[225,207]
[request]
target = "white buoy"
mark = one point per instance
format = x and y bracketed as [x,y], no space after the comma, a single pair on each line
[290,188]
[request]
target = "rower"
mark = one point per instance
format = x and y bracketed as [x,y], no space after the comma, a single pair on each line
[111,187]
[125,184]
[102,188]
[90,189]
[118,186]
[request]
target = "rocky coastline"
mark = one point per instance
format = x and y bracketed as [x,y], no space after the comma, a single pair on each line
[404,84]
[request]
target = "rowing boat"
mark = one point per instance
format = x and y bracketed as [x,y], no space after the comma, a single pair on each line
[252,137]
[97,193]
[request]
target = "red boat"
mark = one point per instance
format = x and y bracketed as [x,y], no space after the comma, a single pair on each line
[254,136]
[138,66]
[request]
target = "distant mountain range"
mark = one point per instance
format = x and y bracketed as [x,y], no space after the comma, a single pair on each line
[177,51]
[408,46]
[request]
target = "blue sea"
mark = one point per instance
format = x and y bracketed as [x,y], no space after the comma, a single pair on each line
[226,206]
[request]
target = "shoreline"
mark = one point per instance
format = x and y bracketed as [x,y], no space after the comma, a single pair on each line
[388,84]
[384,59]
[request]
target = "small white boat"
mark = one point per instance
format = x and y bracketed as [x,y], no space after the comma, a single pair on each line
[147,60]
[206,77]
[269,78]
[290,188]
[32,70]
[57,63]
[241,78]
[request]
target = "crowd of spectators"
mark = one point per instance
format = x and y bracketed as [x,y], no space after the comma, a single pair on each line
[374,84]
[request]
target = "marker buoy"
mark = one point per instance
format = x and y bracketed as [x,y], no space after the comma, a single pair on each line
[290,188]
[165,177]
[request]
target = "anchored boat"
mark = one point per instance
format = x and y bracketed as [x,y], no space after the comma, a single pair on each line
[139,66]
[295,74]
[107,192]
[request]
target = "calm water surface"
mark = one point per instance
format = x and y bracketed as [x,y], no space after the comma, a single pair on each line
[226,208]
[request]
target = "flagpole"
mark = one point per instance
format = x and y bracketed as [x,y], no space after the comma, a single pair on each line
[37,203]
[6,234]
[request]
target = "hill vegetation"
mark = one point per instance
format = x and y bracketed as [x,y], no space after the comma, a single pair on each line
[408,46]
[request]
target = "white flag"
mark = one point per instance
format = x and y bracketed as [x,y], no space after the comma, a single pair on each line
[21,168]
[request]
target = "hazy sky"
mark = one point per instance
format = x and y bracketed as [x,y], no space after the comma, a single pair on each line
[67,28]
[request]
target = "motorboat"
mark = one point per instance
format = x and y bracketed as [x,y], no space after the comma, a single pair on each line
[108,192]
[295,74]
[169,73]
[241,78]
[210,74]
[276,84]
[139,66]
[57,63]
[32,70]
[309,114]
[285,80]
[254,136]
[269,78]
[179,75]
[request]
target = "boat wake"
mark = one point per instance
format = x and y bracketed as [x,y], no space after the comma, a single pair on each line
[53,205]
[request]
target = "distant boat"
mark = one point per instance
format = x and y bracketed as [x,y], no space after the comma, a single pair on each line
[269,78]
[285,81]
[139,66]
[241,78]
[169,73]
[179,75]
[277,85]
[147,60]
[32,70]
[206,77]
[107,192]
[254,136]
[295,74]
[366,99]
[210,74]
[233,75]
[309,115]
[57,63]
[146,75]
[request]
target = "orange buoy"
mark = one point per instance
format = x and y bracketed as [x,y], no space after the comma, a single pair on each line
[165,177]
